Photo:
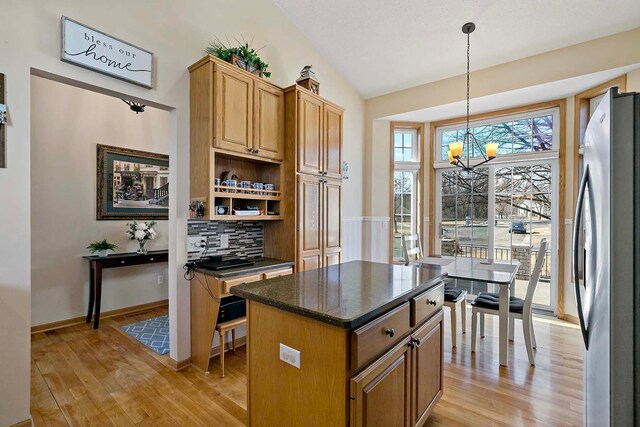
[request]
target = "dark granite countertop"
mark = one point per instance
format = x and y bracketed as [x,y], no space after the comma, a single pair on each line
[346,295]
[263,264]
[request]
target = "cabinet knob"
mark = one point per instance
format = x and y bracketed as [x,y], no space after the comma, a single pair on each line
[410,344]
[151,259]
[430,302]
[390,332]
[121,262]
[250,150]
[416,341]
[256,151]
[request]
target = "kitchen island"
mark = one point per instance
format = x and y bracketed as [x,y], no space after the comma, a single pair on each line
[358,344]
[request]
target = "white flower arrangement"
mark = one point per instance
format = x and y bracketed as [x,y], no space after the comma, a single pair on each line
[141,231]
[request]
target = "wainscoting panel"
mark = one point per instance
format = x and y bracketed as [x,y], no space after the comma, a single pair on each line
[375,239]
[352,238]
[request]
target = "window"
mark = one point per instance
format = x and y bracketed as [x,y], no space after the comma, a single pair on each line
[405,186]
[503,209]
[527,133]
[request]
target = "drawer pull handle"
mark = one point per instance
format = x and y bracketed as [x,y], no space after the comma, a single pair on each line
[390,332]
[433,303]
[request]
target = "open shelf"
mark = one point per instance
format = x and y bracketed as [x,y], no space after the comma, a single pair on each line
[246,218]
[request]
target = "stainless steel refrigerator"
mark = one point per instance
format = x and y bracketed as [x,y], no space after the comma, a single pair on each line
[607,262]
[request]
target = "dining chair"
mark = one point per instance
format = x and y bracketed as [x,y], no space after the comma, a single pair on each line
[453,296]
[488,303]
[411,248]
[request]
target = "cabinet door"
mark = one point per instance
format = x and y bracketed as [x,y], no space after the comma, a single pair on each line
[233,111]
[309,222]
[427,368]
[332,221]
[380,393]
[268,125]
[332,156]
[309,134]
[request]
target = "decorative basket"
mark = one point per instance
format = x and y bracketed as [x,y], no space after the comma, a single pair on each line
[241,63]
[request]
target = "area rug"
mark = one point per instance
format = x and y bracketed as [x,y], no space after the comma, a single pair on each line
[154,333]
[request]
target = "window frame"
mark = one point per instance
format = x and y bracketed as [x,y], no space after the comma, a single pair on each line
[416,167]
[554,153]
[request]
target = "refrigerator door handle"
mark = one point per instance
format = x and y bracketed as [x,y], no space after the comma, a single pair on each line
[576,254]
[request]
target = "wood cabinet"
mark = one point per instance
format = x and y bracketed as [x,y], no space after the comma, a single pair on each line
[312,170]
[427,363]
[332,152]
[319,222]
[319,136]
[402,386]
[310,134]
[268,121]
[234,112]
[381,393]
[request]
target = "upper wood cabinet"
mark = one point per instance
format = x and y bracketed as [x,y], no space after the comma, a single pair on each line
[310,134]
[236,111]
[319,136]
[233,97]
[332,153]
[268,121]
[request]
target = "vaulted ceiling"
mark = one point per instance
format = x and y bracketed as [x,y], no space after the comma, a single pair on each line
[382,46]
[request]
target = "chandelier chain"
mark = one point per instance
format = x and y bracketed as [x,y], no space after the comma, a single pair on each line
[468,86]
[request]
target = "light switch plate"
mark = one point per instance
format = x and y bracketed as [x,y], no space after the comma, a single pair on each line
[224,241]
[290,355]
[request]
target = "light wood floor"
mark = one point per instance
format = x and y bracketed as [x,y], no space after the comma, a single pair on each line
[104,377]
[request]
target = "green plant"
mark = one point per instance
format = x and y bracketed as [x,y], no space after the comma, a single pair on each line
[101,245]
[244,50]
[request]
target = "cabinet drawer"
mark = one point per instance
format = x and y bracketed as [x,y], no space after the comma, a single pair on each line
[426,304]
[378,335]
[277,273]
[230,283]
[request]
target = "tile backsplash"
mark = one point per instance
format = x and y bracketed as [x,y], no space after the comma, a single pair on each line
[246,238]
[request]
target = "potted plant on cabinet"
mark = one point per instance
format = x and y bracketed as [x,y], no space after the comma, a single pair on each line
[243,56]
[102,247]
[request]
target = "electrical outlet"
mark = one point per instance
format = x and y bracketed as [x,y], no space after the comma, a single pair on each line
[196,244]
[224,241]
[290,355]
[160,279]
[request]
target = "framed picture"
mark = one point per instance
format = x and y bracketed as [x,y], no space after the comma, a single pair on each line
[132,184]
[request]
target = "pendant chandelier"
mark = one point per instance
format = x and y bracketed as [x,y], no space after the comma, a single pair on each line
[457,148]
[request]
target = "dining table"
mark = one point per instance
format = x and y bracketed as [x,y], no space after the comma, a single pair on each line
[502,273]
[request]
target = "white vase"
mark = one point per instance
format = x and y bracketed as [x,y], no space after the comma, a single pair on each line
[103,253]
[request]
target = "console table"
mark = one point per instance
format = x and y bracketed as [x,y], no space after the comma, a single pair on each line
[97,264]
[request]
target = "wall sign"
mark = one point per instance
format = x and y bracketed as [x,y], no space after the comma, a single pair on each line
[95,50]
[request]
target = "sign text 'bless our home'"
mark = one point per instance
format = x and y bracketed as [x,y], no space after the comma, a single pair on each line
[93,49]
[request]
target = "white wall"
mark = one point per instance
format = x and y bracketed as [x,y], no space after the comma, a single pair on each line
[176,32]
[66,125]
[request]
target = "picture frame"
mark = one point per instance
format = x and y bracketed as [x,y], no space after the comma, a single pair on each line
[131,184]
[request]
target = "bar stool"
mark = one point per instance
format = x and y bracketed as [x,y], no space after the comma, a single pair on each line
[222,329]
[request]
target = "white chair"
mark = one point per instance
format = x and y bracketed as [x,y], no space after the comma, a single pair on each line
[411,248]
[452,296]
[488,303]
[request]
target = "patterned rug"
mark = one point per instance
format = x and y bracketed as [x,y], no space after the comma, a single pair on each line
[154,333]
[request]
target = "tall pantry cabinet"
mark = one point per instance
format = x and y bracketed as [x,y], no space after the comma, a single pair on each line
[311,232]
